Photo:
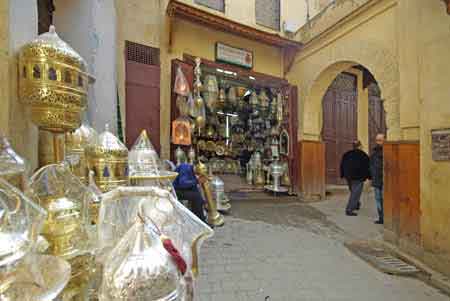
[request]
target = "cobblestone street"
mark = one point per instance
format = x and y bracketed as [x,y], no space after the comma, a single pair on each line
[292,251]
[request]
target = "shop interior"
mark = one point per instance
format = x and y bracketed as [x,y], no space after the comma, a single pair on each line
[242,129]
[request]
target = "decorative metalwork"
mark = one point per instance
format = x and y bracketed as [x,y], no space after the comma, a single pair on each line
[108,158]
[55,102]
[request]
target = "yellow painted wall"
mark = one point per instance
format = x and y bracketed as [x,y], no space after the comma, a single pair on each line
[433,40]
[147,23]
[140,22]
[369,39]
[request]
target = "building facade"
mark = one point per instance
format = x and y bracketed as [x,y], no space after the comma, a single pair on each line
[360,67]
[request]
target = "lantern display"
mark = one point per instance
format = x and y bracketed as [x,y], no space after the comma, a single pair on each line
[76,144]
[108,158]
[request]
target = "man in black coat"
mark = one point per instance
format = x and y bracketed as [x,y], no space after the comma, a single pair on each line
[376,172]
[355,169]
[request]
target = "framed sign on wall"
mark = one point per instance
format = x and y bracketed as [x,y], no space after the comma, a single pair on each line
[233,55]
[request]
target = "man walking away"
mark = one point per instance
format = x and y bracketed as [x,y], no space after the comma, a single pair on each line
[376,171]
[355,169]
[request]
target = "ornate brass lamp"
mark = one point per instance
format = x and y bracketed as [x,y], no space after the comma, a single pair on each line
[146,168]
[108,158]
[25,275]
[53,84]
[66,200]
[76,144]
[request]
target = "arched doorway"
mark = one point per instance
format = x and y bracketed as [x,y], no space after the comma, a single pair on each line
[340,122]
[352,100]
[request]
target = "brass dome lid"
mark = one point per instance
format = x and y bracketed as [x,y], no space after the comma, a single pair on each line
[82,137]
[107,144]
[50,45]
[144,162]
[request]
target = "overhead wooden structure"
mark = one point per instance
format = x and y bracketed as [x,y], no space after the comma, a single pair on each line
[177,9]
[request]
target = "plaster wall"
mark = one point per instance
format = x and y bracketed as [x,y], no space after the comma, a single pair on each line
[434,76]
[89,26]
[22,29]
[140,22]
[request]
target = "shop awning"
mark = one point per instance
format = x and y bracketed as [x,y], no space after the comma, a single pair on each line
[177,9]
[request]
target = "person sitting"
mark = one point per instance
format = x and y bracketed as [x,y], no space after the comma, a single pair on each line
[186,188]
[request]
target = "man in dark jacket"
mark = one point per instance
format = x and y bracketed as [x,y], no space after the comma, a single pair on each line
[355,169]
[376,171]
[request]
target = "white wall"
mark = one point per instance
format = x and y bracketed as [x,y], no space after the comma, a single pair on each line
[23,23]
[89,26]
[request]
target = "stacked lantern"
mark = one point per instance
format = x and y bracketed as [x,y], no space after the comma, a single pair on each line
[76,144]
[108,158]
[53,84]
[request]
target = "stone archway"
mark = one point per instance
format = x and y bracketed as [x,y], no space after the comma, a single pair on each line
[340,57]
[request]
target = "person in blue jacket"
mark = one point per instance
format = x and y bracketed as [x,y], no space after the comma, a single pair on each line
[186,188]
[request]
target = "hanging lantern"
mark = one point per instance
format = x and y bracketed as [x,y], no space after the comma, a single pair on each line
[181,131]
[211,92]
[254,102]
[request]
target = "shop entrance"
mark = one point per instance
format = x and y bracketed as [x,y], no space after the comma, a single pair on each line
[142,93]
[340,123]
[246,122]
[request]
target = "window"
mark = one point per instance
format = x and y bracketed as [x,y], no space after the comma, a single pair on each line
[67,77]
[24,72]
[214,4]
[36,72]
[80,81]
[52,74]
[268,13]
[142,54]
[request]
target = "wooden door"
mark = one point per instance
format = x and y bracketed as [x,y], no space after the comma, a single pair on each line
[377,115]
[188,71]
[142,93]
[290,123]
[402,212]
[340,123]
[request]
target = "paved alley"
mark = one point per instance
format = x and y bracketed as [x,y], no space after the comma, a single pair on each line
[293,251]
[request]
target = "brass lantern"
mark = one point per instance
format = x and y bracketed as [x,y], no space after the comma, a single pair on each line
[67,202]
[108,158]
[146,168]
[53,82]
[76,144]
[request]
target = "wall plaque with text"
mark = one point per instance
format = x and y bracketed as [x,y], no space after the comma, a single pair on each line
[234,55]
[440,144]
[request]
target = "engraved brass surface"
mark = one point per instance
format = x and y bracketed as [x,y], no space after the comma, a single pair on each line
[53,82]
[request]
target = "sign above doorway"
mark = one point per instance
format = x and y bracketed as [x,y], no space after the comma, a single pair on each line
[233,55]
